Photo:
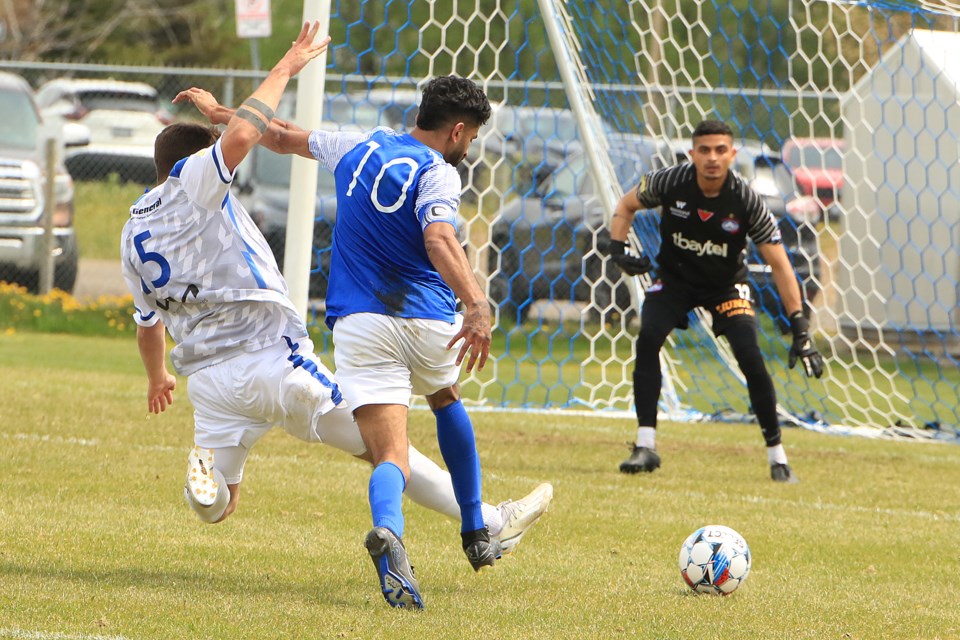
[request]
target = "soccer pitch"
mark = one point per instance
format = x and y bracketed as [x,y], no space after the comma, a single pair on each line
[96,541]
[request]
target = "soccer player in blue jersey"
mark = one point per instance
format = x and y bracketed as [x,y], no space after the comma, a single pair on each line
[199,268]
[396,272]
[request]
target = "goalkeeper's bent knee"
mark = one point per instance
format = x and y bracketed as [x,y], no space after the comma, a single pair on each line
[215,511]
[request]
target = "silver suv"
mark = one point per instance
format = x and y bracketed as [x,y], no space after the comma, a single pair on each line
[22,185]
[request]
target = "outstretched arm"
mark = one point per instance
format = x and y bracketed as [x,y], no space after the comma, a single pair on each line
[248,123]
[280,137]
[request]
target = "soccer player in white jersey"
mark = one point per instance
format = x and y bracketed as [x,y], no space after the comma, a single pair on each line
[199,267]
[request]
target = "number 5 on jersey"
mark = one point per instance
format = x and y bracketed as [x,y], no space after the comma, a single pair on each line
[152,256]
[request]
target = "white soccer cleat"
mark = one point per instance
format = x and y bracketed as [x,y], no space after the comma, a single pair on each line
[201,485]
[519,515]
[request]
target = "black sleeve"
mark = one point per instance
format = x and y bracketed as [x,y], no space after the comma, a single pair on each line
[655,185]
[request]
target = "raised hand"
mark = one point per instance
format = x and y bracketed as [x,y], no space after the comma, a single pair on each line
[303,49]
[203,100]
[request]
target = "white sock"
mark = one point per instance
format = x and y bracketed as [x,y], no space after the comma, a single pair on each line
[776,455]
[646,437]
[431,487]
[491,518]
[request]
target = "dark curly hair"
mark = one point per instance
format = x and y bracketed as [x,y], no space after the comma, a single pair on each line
[451,99]
[712,128]
[178,141]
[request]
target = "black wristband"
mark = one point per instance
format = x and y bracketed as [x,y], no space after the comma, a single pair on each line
[798,323]
[261,107]
[245,114]
[618,248]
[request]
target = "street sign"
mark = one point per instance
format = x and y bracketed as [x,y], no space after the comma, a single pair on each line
[253,18]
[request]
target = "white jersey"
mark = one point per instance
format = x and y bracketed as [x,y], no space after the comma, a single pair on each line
[193,258]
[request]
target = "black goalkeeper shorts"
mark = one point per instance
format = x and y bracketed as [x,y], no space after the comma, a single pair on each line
[668,302]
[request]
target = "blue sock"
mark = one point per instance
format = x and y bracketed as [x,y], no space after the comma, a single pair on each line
[385,493]
[459,450]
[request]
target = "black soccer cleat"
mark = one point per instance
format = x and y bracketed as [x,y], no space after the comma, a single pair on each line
[399,587]
[781,472]
[642,459]
[480,549]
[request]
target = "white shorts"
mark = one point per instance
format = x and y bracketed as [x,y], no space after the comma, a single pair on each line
[237,401]
[383,360]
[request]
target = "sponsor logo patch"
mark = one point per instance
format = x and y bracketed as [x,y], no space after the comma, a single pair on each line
[680,213]
[730,225]
[708,248]
[704,214]
[734,307]
[147,209]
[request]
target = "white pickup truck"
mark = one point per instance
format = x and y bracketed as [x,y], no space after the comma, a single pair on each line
[22,189]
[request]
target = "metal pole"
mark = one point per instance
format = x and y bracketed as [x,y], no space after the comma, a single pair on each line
[228,89]
[49,197]
[303,171]
[255,53]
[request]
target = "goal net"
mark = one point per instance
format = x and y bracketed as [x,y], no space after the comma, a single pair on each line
[845,114]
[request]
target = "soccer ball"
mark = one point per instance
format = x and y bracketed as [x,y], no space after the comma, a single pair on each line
[714,559]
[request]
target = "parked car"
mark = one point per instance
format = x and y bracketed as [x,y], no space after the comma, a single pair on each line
[366,110]
[817,165]
[124,119]
[23,182]
[551,243]
[534,140]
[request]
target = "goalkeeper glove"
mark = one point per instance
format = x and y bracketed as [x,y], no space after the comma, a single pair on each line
[630,265]
[802,348]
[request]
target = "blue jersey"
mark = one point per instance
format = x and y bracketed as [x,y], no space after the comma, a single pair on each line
[390,187]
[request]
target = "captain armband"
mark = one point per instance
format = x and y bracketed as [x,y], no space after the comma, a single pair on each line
[260,106]
[249,116]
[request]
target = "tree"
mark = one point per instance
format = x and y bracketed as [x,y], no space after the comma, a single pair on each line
[127,31]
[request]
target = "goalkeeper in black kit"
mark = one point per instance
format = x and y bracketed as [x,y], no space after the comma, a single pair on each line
[707,214]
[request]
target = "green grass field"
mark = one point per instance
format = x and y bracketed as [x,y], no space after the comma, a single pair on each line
[96,542]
